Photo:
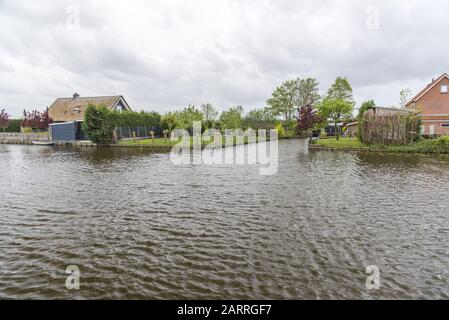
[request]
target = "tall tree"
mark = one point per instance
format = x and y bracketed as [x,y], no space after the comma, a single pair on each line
[4,119]
[307,92]
[284,98]
[404,96]
[341,90]
[209,112]
[187,116]
[232,119]
[338,103]
[335,109]
[36,120]
[259,119]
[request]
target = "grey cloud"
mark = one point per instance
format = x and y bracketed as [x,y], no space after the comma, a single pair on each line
[167,54]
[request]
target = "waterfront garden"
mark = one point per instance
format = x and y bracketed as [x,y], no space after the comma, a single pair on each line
[439,145]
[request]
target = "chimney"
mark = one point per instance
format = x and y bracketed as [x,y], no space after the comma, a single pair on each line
[75,95]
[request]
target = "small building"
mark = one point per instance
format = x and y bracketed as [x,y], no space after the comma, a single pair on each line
[68,114]
[432,103]
[352,129]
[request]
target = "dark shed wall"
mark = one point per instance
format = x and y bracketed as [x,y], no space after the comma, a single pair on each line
[64,131]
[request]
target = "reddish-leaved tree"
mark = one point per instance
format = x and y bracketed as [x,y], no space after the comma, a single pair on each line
[4,119]
[307,118]
[36,120]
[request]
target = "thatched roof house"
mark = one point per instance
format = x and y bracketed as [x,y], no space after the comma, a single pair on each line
[72,109]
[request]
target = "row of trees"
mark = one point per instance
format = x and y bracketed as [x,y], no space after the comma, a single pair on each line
[313,111]
[233,118]
[36,120]
[99,122]
[297,102]
[31,119]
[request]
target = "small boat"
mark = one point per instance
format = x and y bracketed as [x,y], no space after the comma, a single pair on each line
[43,143]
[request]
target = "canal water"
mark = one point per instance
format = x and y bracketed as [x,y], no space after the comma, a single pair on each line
[139,227]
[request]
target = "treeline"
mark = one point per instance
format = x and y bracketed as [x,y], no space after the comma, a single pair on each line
[295,107]
[31,120]
[100,122]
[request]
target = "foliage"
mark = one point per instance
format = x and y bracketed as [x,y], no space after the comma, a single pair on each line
[135,119]
[308,118]
[281,131]
[390,127]
[36,120]
[259,119]
[338,103]
[14,126]
[404,97]
[210,114]
[99,124]
[169,121]
[187,116]
[341,90]
[335,109]
[292,94]
[435,146]
[4,119]
[232,119]
[438,146]
[366,105]
[283,99]
[308,92]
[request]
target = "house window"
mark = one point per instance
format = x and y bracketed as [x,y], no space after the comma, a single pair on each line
[445,125]
[444,89]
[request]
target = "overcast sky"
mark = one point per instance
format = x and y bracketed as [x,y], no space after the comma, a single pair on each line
[162,55]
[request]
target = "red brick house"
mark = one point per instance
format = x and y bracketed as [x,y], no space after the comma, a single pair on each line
[433,104]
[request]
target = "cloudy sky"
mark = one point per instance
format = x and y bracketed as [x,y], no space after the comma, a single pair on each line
[166,54]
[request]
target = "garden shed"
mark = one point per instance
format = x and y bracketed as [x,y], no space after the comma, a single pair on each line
[67,131]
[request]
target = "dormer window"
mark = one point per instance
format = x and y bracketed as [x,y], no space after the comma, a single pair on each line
[444,89]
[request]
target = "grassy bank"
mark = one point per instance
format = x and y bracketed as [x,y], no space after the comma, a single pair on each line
[162,142]
[343,143]
[435,146]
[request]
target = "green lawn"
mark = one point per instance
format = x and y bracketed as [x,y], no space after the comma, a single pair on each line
[429,146]
[157,142]
[162,142]
[342,143]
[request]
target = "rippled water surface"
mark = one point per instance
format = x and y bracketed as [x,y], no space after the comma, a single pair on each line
[140,228]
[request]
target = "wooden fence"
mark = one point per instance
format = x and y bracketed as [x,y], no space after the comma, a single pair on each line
[389,126]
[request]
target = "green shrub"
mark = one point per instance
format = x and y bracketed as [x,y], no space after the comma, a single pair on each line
[438,146]
[14,126]
[281,131]
[98,124]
